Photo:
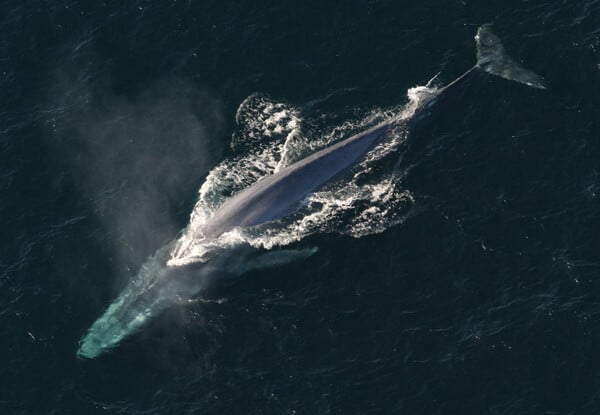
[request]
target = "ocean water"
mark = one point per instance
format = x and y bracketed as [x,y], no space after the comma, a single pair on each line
[456,271]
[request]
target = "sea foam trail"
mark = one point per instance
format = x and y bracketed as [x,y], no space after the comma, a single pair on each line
[272,135]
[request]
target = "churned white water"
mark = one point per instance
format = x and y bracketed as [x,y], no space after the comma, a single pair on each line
[272,135]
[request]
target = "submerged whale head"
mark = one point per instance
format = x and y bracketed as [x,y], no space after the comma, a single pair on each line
[154,288]
[123,317]
[158,285]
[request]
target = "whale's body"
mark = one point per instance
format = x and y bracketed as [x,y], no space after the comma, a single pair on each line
[276,196]
[279,194]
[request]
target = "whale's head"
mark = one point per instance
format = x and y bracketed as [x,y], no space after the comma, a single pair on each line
[154,288]
[159,285]
[140,300]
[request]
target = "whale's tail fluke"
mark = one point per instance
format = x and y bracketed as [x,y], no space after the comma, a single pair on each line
[492,59]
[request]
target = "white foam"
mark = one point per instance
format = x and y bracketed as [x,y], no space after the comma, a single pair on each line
[270,132]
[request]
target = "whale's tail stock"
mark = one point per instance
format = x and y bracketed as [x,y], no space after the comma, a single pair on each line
[492,58]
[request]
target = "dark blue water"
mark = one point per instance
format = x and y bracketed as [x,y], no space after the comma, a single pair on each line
[483,300]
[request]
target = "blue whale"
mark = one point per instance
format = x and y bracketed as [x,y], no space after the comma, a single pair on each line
[158,284]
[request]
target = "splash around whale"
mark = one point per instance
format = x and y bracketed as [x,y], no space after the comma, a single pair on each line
[219,238]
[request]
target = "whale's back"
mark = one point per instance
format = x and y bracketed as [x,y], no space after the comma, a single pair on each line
[280,194]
